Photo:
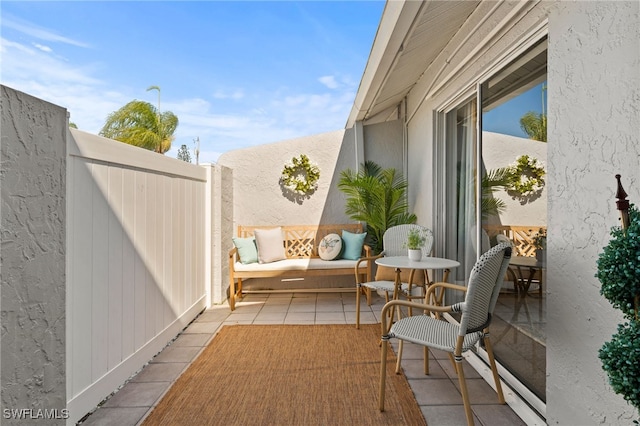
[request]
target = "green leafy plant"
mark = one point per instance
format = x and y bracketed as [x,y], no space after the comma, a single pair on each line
[415,239]
[540,239]
[619,273]
[377,197]
[141,124]
[492,181]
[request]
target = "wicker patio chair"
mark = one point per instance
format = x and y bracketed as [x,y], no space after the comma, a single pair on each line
[431,332]
[394,244]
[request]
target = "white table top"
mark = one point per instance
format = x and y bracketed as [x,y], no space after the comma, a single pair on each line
[424,263]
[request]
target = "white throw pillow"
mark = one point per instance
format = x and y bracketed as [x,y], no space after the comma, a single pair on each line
[270,245]
[330,247]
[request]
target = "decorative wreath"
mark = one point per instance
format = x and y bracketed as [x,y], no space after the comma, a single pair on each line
[300,175]
[525,176]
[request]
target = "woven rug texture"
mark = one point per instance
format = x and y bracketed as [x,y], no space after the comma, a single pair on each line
[288,375]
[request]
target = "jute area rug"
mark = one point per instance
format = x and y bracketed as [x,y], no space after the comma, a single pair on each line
[289,375]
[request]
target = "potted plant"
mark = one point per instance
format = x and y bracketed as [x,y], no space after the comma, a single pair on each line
[540,243]
[619,274]
[415,242]
[377,197]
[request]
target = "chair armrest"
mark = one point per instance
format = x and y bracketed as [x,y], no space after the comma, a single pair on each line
[432,295]
[369,259]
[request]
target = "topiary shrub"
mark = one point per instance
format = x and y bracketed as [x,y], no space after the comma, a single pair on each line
[619,273]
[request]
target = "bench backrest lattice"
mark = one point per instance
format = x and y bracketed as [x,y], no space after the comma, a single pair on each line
[520,236]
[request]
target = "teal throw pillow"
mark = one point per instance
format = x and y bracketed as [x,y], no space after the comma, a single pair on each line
[353,243]
[247,249]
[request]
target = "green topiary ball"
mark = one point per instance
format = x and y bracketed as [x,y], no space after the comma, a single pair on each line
[621,360]
[619,266]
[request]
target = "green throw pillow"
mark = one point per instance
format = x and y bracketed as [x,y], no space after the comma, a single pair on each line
[353,243]
[247,249]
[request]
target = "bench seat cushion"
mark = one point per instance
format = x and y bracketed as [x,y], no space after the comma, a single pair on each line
[298,265]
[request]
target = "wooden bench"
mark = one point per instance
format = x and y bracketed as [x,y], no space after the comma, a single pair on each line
[302,259]
[522,239]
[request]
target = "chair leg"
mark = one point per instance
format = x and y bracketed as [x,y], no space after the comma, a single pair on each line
[453,362]
[232,294]
[463,390]
[399,356]
[494,369]
[426,359]
[383,373]
[358,291]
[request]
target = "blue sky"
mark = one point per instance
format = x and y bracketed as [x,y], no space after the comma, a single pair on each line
[506,117]
[236,73]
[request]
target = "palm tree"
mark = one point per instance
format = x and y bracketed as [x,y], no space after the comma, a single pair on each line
[534,125]
[376,197]
[139,123]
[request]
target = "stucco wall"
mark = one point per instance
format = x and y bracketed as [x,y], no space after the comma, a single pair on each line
[219,230]
[594,131]
[33,185]
[383,144]
[259,199]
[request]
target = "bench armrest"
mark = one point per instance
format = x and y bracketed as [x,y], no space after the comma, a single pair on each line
[233,254]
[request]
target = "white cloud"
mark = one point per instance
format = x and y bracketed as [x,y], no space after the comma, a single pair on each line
[39,74]
[37,32]
[329,81]
[235,95]
[43,48]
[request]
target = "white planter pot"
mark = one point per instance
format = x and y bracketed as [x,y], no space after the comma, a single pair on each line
[415,254]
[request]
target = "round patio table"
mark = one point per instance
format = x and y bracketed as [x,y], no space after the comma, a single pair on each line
[403,262]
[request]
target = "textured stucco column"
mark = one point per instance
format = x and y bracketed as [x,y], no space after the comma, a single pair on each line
[32,268]
[594,105]
[219,229]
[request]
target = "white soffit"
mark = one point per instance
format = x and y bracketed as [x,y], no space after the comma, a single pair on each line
[410,36]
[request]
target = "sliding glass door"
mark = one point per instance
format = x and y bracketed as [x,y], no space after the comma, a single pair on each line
[502,124]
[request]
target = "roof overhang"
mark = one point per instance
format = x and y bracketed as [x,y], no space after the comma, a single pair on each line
[410,36]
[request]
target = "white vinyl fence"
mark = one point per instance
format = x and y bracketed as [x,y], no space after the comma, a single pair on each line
[136,261]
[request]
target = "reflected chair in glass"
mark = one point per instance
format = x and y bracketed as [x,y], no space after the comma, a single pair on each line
[430,331]
[394,244]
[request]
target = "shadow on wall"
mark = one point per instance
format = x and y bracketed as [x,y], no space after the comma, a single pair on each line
[295,197]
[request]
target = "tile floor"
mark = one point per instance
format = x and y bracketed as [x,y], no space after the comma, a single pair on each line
[437,393]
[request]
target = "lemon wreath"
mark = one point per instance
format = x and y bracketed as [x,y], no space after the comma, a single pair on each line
[525,177]
[300,175]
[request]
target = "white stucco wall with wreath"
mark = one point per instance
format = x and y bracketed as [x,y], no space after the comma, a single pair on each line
[500,150]
[260,198]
